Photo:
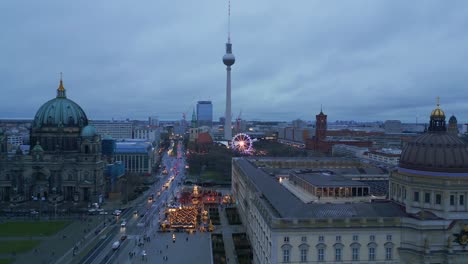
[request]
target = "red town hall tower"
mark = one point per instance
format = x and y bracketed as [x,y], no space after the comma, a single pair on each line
[320,126]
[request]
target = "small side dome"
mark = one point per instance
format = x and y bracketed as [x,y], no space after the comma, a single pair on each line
[452,119]
[37,148]
[88,131]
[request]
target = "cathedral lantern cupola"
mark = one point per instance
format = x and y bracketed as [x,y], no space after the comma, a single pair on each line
[437,122]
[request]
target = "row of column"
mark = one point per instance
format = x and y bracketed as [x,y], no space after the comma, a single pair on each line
[134,163]
[341,191]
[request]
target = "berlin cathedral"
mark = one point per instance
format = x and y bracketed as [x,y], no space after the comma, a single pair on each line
[65,157]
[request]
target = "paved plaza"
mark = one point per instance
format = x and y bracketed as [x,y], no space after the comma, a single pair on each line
[187,248]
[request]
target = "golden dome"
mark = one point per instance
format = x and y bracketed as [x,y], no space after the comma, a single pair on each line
[438,112]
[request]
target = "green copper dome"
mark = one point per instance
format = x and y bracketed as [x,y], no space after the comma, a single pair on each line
[60,111]
[88,131]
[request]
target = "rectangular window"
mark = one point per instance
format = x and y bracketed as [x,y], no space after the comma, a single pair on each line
[286,255]
[303,255]
[337,254]
[321,239]
[321,254]
[452,199]
[438,199]
[427,197]
[372,238]
[355,253]
[338,238]
[371,253]
[286,239]
[388,253]
[389,237]
[304,239]
[462,199]
[355,237]
[416,196]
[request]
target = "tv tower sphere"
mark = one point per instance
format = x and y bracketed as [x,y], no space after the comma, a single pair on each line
[229,59]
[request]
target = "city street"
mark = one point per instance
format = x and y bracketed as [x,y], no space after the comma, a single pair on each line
[143,241]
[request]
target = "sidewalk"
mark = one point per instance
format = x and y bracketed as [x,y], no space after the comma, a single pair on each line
[227,231]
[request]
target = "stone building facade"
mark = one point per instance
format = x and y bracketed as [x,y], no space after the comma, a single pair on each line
[425,219]
[64,162]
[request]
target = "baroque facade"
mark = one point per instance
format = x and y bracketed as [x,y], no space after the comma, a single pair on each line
[425,219]
[64,162]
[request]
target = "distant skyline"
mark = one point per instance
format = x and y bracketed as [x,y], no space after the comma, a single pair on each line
[363,60]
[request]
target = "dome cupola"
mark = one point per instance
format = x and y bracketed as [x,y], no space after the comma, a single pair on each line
[436,150]
[60,112]
[437,122]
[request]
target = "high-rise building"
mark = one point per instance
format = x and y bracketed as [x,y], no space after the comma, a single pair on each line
[205,113]
[153,121]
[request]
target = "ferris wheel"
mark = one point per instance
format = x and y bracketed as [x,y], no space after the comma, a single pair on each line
[242,143]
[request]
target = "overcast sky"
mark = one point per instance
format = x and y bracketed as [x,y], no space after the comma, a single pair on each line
[363,60]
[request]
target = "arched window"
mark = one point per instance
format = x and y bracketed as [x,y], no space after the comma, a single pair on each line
[286,252]
[338,251]
[355,250]
[321,251]
[304,251]
[389,250]
[372,250]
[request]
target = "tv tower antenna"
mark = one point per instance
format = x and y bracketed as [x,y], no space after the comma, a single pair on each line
[229,21]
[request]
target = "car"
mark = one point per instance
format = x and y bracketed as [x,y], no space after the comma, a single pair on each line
[123,224]
[103,213]
[92,212]
[117,212]
[135,212]
[122,238]
[142,214]
[115,245]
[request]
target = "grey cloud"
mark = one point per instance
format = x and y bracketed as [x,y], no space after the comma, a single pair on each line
[363,60]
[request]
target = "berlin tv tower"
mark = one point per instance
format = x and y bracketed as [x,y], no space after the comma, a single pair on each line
[228,60]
